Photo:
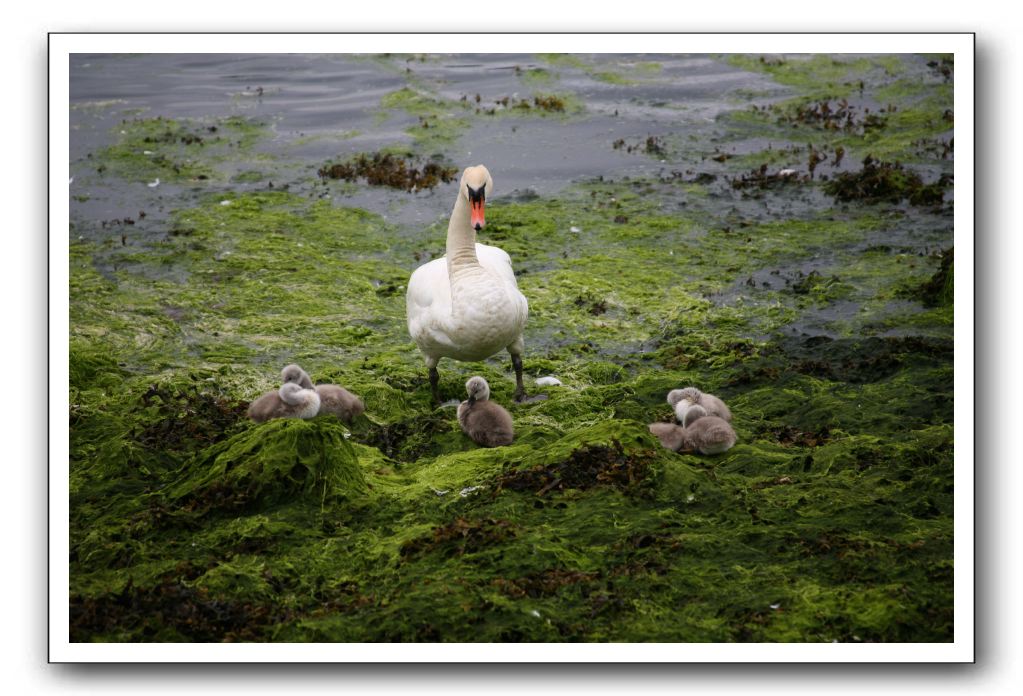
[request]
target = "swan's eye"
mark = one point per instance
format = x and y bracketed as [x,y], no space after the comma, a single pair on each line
[476,195]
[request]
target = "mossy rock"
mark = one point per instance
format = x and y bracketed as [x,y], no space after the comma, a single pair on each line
[619,454]
[274,462]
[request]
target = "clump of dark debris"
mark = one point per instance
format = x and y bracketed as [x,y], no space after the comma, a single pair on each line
[586,467]
[187,417]
[652,146]
[549,103]
[761,178]
[944,67]
[593,305]
[542,584]
[394,171]
[888,182]
[788,435]
[824,114]
[460,537]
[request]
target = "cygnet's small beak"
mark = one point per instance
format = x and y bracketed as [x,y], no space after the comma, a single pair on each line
[472,399]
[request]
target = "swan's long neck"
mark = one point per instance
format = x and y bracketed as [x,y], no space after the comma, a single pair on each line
[461,247]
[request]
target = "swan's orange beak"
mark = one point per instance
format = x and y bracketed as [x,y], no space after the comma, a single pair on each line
[476,215]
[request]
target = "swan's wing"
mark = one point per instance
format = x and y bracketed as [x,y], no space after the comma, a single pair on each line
[497,261]
[428,287]
[428,301]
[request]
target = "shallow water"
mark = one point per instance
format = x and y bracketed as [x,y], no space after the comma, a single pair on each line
[312,101]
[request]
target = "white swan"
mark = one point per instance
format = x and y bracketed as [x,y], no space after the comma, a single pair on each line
[466,305]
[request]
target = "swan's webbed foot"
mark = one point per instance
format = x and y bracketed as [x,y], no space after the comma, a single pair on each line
[521,397]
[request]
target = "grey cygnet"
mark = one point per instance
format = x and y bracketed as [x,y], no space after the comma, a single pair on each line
[682,399]
[333,399]
[485,422]
[705,433]
[701,433]
[290,401]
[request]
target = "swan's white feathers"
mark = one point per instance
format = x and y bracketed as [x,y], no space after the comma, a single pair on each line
[493,311]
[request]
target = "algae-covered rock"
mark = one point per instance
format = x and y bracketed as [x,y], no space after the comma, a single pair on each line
[280,460]
[613,453]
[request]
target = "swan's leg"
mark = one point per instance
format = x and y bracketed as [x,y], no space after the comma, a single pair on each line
[520,391]
[434,379]
[516,350]
[434,382]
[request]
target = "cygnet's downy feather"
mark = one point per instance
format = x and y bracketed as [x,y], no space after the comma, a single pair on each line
[682,399]
[706,434]
[334,400]
[290,401]
[485,422]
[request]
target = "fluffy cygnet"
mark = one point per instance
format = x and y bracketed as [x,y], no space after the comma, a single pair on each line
[682,399]
[704,433]
[290,401]
[485,422]
[669,434]
[333,399]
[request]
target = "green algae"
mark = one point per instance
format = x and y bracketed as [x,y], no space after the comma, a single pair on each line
[174,149]
[567,60]
[616,72]
[816,75]
[880,107]
[280,460]
[440,122]
[939,289]
[831,519]
[534,77]
[584,520]
[563,105]
[249,176]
